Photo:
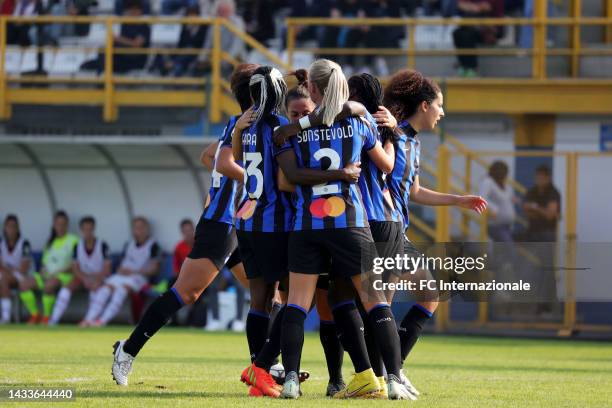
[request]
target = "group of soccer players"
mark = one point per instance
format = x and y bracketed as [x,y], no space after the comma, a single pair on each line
[299,208]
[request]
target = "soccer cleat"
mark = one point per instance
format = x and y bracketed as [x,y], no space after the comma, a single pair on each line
[397,391]
[44,321]
[363,385]
[262,380]
[254,392]
[122,364]
[84,323]
[277,371]
[291,388]
[334,388]
[383,387]
[408,384]
[33,319]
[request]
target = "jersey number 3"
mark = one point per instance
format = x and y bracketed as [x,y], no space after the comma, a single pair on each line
[334,158]
[252,161]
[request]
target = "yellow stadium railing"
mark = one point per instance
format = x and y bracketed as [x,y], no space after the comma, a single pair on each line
[538,51]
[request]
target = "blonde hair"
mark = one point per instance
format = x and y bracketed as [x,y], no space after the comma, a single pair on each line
[329,78]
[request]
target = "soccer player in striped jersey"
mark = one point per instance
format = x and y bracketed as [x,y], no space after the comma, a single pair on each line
[265,217]
[416,102]
[215,245]
[331,219]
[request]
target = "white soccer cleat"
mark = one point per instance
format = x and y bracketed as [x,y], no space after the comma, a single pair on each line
[122,364]
[238,326]
[213,325]
[397,391]
[291,387]
[408,384]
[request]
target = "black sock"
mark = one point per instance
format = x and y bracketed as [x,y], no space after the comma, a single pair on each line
[268,356]
[333,350]
[350,327]
[411,327]
[155,317]
[372,346]
[257,331]
[384,329]
[276,307]
[292,337]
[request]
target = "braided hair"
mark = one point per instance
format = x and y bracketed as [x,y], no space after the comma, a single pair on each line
[268,90]
[367,90]
[406,90]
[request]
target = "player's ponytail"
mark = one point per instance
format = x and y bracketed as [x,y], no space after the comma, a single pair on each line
[268,90]
[329,78]
[405,92]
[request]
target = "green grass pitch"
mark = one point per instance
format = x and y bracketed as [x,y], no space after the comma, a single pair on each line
[183,367]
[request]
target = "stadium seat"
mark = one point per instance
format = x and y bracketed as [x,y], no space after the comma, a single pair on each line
[30,61]
[434,37]
[165,34]
[12,60]
[67,62]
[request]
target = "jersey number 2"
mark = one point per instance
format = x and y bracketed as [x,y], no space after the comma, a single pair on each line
[334,158]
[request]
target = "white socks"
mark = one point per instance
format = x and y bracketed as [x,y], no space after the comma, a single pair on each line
[5,304]
[119,295]
[61,303]
[97,303]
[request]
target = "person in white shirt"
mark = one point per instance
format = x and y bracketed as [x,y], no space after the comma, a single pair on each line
[501,199]
[91,266]
[16,267]
[141,261]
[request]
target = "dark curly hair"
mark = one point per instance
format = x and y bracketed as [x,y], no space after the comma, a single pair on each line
[239,83]
[300,91]
[406,90]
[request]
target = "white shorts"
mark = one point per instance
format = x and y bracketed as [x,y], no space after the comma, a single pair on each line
[133,282]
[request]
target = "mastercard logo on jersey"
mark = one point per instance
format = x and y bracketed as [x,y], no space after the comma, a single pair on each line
[247,210]
[327,207]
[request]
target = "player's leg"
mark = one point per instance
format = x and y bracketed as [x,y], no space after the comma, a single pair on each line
[63,299]
[7,281]
[26,294]
[328,335]
[48,297]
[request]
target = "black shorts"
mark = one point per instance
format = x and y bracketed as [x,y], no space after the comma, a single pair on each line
[389,238]
[215,241]
[351,251]
[264,254]
[234,259]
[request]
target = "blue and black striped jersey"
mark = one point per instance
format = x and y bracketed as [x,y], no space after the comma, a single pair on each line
[263,207]
[222,193]
[336,204]
[407,156]
[376,197]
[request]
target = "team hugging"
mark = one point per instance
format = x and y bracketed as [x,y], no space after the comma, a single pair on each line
[293,203]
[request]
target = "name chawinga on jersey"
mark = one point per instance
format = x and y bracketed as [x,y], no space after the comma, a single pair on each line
[317,135]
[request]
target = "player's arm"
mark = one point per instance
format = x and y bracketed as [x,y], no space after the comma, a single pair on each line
[425,196]
[383,157]
[226,164]
[283,133]
[310,177]
[152,267]
[244,122]
[207,158]
[283,183]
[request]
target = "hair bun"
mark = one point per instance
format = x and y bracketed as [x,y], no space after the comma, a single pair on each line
[301,75]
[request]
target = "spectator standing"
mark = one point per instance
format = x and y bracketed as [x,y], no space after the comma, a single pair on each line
[501,213]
